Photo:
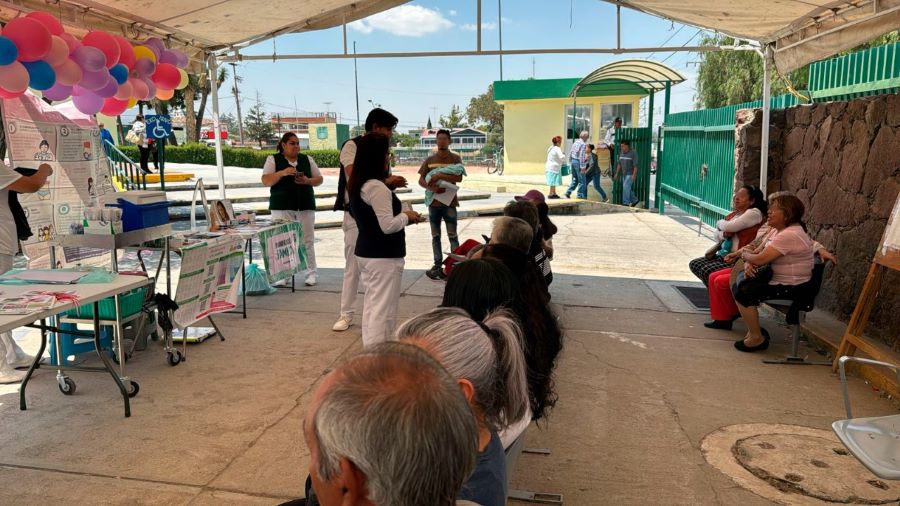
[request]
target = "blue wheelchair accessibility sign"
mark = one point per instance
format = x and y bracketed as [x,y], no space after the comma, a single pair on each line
[159,126]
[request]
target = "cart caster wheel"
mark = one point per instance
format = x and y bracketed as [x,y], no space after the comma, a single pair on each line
[174,358]
[67,387]
[135,388]
[115,358]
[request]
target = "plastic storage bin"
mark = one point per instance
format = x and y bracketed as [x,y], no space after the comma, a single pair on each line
[135,217]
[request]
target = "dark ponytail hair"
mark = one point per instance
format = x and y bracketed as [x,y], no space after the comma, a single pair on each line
[371,153]
[759,200]
[284,138]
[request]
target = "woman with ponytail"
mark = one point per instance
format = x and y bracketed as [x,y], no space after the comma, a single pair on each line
[487,360]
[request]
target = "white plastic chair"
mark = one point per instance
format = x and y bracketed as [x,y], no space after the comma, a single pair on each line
[874,441]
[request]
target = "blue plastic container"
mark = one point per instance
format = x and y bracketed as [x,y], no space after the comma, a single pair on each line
[135,217]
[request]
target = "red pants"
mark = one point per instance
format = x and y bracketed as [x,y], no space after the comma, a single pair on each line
[721,302]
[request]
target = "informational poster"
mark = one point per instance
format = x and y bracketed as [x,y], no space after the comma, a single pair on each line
[283,251]
[209,280]
[69,142]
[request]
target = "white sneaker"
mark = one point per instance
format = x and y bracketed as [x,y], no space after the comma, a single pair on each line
[343,323]
[311,279]
[282,282]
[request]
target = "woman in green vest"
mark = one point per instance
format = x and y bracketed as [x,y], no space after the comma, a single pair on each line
[290,178]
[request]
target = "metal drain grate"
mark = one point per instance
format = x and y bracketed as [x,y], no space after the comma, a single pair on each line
[698,296]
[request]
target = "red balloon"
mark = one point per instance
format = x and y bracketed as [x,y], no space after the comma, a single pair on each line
[9,94]
[166,76]
[106,43]
[126,52]
[31,38]
[114,107]
[48,20]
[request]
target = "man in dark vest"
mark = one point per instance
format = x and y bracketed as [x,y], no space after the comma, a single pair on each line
[381,122]
[290,177]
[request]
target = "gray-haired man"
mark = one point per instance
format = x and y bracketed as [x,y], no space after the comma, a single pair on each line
[577,160]
[390,427]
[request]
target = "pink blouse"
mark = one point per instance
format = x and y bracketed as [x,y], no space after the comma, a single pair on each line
[795,265]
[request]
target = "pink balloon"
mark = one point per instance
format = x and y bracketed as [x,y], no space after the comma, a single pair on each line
[78,90]
[156,46]
[69,73]
[125,91]
[14,77]
[105,43]
[126,52]
[167,76]
[114,107]
[59,52]
[90,59]
[182,59]
[88,103]
[151,89]
[144,67]
[110,89]
[71,41]
[58,92]
[48,20]
[31,38]
[139,88]
[94,80]
[9,94]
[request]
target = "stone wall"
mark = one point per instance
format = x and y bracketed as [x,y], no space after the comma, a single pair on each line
[843,160]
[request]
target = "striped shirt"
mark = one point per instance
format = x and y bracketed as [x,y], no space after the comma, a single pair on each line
[577,152]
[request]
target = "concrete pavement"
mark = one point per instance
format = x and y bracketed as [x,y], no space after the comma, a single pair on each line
[641,383]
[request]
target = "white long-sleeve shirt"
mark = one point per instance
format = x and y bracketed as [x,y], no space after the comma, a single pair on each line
[555,159]
[376,194]
[749,218]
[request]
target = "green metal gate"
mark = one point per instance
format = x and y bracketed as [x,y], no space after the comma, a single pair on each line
[641,140]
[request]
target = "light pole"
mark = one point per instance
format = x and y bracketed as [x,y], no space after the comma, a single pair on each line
[356,84]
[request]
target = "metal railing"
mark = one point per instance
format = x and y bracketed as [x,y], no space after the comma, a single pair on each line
[127,174]
[641,140]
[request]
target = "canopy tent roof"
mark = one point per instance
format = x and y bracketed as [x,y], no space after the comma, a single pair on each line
[647,75]
[204,25]
[802,31]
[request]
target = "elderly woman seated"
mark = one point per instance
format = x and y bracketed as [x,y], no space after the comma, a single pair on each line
[732,233]
[487,361]
[784,264]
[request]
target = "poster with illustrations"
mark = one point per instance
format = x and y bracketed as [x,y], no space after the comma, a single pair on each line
[209,280]
[69,141]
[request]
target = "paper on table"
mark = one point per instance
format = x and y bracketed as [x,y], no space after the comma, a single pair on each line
[448,195]
[52,277]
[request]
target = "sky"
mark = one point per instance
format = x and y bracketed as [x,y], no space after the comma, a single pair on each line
[415,89]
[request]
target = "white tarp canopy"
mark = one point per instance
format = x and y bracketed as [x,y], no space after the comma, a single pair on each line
[204,25]
[801,31]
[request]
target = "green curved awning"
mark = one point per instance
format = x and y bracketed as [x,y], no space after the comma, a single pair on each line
[646,75]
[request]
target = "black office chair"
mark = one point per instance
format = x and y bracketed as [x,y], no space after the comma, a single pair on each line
[795,310]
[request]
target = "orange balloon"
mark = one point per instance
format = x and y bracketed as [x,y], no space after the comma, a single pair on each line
[132,102]
[164,94]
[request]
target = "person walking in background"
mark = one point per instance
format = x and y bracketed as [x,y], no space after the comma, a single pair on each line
[290,177]
[609,140]
[435,170]
[626,170]
[592,175]
[106,135]
[138,136]
[577,160]
[553,166]
[381,122]
[381,243]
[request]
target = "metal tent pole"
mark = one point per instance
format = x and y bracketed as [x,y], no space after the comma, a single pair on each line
[766,116]
[646,191]
[217,134]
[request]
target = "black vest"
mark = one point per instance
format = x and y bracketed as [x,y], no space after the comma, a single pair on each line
[339,204]
[372,242]
[285,195]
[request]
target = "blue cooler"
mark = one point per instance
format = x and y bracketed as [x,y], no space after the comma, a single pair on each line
[138,216]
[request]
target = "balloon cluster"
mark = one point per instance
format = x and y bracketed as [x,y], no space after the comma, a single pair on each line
[102,73]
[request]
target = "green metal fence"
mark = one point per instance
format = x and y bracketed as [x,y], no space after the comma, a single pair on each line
[698,146]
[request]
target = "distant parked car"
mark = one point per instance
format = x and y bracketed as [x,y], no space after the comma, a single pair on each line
[212,142]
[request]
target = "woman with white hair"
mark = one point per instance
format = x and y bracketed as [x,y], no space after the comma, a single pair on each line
[488,362]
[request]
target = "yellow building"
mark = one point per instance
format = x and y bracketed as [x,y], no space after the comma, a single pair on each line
[328,135]
[536,110]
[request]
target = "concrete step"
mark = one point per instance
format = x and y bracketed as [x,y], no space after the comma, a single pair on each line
[180,210]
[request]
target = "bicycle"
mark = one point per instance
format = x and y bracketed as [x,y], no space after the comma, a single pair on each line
[495,164]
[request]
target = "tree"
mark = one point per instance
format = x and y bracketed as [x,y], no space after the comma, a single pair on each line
[453,120]
[230,123]
[428,126]
[257,125]
[404,140]
[487,114]
[732,77]
[184,100]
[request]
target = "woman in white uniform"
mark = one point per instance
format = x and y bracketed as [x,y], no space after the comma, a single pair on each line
[290,178]
[381,244]
[11,356]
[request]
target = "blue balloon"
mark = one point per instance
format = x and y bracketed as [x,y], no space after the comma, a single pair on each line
[120,73]
[41,75]
[8,51]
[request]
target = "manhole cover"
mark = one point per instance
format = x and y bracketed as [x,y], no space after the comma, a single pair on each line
[809,465]
[794,465]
